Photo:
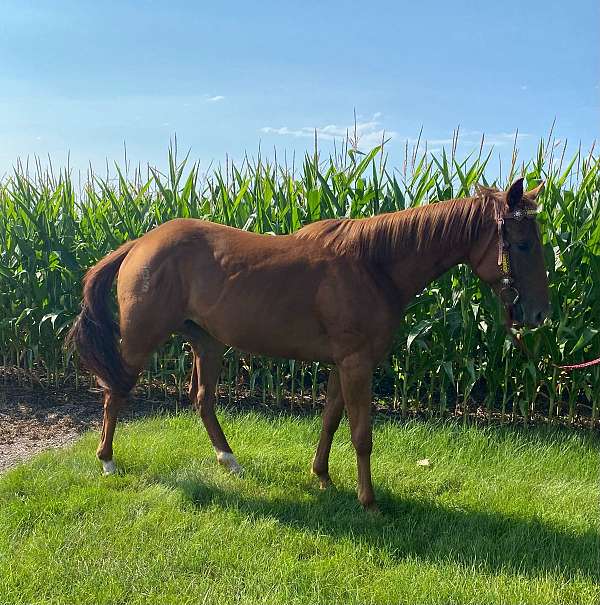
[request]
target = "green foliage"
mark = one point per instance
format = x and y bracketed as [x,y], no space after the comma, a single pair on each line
[452,352]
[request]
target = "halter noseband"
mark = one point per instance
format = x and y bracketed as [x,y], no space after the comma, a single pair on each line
[509,295]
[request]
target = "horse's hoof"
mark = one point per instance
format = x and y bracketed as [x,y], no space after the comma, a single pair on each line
[228,460]
[373,509]
[325,481]
[108,467]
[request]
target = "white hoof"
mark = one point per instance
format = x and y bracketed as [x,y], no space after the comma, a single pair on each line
[109,467]
[229,461]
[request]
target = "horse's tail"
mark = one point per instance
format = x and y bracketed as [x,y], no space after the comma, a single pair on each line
[95,333]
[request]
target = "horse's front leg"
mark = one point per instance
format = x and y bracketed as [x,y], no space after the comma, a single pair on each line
[356,375]
[208,358]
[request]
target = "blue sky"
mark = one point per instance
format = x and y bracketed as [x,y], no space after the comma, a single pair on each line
[84,77]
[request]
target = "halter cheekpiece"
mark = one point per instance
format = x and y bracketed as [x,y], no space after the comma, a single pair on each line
[509,295]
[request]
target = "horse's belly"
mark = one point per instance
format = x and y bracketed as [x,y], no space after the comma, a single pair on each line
[313,351]
[288,328]
[272,336]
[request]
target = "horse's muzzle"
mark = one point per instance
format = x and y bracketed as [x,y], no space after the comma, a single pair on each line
[536,318]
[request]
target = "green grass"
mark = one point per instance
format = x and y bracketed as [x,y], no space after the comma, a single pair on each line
[501,516]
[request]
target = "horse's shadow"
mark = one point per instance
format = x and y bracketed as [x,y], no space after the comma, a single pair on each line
[422,529]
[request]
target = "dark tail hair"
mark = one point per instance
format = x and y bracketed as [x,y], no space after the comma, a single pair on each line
[95,333]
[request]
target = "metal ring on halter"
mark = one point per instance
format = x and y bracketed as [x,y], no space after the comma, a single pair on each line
[513,292]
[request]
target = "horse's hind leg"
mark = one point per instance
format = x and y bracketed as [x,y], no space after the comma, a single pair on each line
[208,359]
[332,414]
[112,404]
[137,345]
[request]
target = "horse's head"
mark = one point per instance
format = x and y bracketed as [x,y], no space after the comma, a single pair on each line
[510,256]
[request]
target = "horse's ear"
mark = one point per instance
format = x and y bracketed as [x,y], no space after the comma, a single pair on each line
[482,190]
[515,194]
[532,195]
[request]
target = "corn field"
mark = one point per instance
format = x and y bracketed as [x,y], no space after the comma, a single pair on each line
[452,355]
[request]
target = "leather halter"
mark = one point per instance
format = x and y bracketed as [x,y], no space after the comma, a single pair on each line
[509,295]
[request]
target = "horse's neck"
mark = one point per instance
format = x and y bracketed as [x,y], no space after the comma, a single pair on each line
[412,269]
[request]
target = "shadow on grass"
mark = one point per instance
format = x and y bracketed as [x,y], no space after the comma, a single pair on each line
[423,530]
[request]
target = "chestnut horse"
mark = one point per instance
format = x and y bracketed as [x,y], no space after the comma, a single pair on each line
[334,292]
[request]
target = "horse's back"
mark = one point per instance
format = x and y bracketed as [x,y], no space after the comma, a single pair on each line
[241,287]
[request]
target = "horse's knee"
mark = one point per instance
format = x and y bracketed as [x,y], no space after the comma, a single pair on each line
[330,426]
[362,441]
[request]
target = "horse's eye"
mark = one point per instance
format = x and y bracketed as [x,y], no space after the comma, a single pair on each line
[523,246]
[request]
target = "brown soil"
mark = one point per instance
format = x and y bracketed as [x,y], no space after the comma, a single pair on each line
[34,417]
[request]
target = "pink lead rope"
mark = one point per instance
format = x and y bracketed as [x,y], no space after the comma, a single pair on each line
[579,366]
[519,342]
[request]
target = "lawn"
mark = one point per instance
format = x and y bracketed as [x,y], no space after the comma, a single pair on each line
[500,516]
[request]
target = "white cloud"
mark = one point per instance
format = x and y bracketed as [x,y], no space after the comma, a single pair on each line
[215,99]
[504,138]
[472,138]
[369,133]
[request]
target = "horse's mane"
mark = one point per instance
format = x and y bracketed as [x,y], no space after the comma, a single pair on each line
[376,238]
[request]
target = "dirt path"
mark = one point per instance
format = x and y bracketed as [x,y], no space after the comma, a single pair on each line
[34,418]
